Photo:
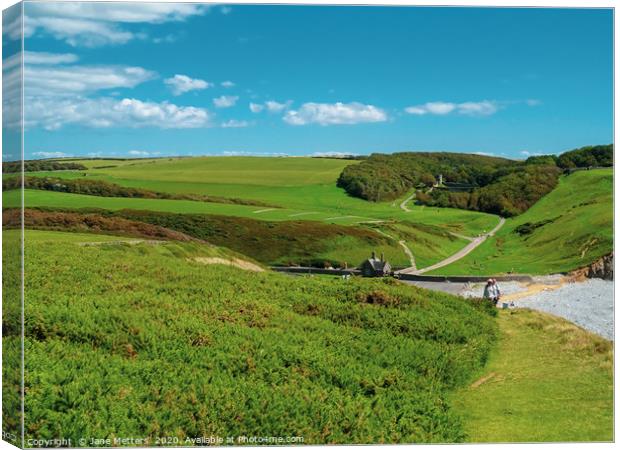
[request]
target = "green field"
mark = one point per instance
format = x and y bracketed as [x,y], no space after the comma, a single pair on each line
[301,189]
[142,341]
[573,226]
[546,381]
[305,189]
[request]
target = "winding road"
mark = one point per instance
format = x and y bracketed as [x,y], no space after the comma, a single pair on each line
[475,242]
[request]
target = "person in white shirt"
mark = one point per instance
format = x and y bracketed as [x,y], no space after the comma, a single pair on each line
[492,291]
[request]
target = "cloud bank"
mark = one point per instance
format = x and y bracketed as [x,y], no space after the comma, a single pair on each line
[180,84]
[482,108]
[335,114]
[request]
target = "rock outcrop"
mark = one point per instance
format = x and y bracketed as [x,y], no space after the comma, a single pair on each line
[601,268]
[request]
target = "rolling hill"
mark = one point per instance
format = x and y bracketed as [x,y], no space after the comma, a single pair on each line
[568,228]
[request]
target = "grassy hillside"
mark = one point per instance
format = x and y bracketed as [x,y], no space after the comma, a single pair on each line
[568,228]
[229,170]
[546,381]
[303,188]
[290,189]
[274,243]
[176,348]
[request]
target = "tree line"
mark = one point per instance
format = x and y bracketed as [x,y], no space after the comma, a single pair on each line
[498,185]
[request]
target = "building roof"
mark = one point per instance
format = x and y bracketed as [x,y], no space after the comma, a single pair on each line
[377,264]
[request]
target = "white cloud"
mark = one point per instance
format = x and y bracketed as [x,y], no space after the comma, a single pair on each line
[233,123]
[142,153]
[335,114]
[94,24]
[277,107]
[52,114]
[51,154]
[225,10]
[12,22]
[63,80]
[484,153]
[49,58]
[244,153]
[533,102]
[225,101]
[527,153]
[11,62]
[482,108]
[271,106]
[227,84]
[170,38]
[179,84]
[78,32]
[439,108]
[333,154]
[256,107]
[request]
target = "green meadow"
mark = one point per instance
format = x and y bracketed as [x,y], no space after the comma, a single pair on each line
[303,188]
[300,189]
[547,380]
[568,228]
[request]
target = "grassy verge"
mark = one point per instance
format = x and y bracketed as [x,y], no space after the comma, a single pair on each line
[546,381]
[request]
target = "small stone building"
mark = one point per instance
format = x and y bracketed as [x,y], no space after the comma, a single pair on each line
[374,267]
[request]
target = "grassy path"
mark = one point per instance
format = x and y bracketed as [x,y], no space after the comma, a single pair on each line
[547,380]
[403,204]
[403,245]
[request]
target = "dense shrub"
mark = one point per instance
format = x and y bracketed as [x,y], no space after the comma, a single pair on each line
[288,242]
[134,341]
[102,188]
[385,177]
[40,166]
[592,156]
[77,222]
[509,195]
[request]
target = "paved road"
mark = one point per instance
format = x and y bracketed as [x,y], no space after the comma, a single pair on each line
[458,255]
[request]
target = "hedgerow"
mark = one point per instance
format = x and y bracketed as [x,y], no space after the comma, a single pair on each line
[39,166]
[102,188]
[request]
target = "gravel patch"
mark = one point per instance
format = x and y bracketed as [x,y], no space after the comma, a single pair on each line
[589,304]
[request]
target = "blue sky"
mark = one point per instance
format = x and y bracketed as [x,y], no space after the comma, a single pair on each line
[179,79]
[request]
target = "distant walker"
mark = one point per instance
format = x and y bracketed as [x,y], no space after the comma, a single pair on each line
[374,267]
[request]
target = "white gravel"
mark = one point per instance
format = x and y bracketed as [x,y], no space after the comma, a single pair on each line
[589,304]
